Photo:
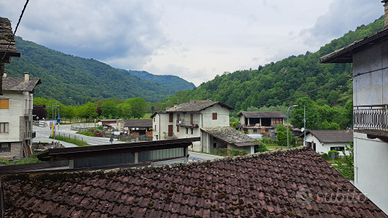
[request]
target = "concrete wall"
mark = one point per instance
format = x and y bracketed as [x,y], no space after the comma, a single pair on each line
[249,149]
[370,87]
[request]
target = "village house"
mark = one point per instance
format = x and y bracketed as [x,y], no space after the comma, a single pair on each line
[187,119]
[323,141]
[213,138]
[292,183]
[370,105]
[16,99]
[260,122]
[139,127]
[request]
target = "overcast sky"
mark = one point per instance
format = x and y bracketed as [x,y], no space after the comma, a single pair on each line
[195,40]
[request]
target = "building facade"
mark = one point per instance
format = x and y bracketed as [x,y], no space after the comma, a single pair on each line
[260,122]
[16,106]
[370,109]
[185,120]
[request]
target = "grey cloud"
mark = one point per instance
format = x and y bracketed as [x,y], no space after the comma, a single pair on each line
[95,29]
[342,16]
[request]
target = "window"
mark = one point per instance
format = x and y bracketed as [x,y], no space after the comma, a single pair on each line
[214,116]
[3,127]
[170,130]
[4,103]
[254,130]
[5,147]
[171,117]
[192,131]
[154,119]
[155,128]
[337,148]
[177,128]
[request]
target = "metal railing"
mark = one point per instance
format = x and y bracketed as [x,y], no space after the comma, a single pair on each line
[370,117]
[187,123]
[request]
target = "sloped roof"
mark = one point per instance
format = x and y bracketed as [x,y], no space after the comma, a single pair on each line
[332,136]
[262,114]
[229,135]
[197,105]
[144,123]
[345,54]
[107,120]
[19,84]
[277,184]
[7,41]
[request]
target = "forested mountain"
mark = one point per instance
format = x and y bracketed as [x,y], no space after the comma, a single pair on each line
[81,79]
[174,82]
[283,82]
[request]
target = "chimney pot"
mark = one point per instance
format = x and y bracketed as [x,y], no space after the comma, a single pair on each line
[175,104]
[26,76]
[4,74]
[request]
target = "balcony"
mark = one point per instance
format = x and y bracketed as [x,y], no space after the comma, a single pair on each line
[371,120]
[28,112]
[188,124]
[30,135]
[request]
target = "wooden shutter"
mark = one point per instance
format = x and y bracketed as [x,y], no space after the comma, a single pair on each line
[191,119]
[214,116]
[4,103]
[171,117]
[170,130]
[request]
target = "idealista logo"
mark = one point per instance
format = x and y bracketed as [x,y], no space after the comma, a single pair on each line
[305,197]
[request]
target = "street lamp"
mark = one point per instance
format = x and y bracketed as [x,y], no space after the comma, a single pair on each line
[288,110]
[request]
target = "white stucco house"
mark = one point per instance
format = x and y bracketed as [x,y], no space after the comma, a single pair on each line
[16,115]
[226,137]
[323,141]
[261,122]
[187,119]
[370,109]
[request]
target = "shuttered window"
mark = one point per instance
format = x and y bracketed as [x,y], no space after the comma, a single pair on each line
[171,117]
[214,116]
[4,103]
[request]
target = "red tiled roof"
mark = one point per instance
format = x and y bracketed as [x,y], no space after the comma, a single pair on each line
[277,184]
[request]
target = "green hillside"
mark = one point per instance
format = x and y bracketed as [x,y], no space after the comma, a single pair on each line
[281,83]
[82,79]
[174,82]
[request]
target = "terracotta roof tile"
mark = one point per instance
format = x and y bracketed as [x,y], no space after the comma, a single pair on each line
[264,185]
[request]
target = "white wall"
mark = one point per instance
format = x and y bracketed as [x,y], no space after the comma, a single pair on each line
[371,169]
[370,87]
[17,109]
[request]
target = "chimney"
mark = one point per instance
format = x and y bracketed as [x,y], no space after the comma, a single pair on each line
[26,76]
[385,12]
[175,104]
[4,74]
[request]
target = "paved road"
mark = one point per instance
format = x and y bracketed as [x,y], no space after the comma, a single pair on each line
[43,133]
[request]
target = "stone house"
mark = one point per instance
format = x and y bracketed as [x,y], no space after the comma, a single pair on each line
[370,109]
[261,122]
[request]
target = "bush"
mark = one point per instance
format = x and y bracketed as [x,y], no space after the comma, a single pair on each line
[4,161]
[229,152]
[326,157]
[86,133]
[336,154]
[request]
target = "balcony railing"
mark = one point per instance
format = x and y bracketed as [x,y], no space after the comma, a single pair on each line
[28,112]
[193,124]
[30,135]
[370,117]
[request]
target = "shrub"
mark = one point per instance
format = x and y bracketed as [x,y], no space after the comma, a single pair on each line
[336,153]
[4,161]
[326,156]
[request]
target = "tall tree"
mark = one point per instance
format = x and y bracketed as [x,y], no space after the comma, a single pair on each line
[109,109]
[138,107]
